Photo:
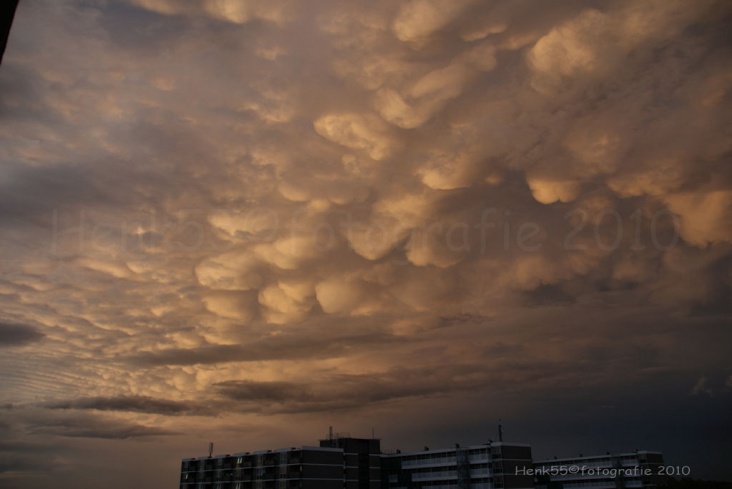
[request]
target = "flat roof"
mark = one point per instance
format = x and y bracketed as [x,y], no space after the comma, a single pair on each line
[452,450]
[595,457]
[264,452]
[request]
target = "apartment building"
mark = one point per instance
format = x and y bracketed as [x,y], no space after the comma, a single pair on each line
[488,466]
[343,462]
[287,468]
[340,462]
[634,470]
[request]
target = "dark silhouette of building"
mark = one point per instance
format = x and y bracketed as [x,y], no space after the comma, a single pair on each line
[340,462]
[362,458]
[634,470]
[493,465]
[343,462]
[287,468]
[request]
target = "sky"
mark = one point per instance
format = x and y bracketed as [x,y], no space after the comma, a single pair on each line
[244,222]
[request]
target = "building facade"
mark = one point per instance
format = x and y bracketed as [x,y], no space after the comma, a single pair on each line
[362,459]
[291,468]
[342,462]
[487,466]
[635,470]
[339,463]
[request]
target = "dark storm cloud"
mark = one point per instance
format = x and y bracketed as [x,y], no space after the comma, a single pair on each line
[656,412]
[141,30]
[33,420]
[318,211]
[15,462]
[315,343]
[138,404]
[18,334]
[280,392]
[33,193]
[21,456]
[545,295]
[344,392]
[93,427]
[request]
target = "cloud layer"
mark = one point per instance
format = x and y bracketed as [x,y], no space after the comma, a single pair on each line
[238,216]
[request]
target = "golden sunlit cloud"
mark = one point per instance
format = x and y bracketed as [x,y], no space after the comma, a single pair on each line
[251,220]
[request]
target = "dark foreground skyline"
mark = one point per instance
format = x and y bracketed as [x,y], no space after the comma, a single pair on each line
[243,221]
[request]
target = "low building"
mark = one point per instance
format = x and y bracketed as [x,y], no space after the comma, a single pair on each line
[289,468]
[635,470]
[342,462]
[488,466]
[339,463]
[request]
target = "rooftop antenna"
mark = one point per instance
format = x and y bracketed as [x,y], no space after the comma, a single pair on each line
[330,432]
[210,449]
[500,430]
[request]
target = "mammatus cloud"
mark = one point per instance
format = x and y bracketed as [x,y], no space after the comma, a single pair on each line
[217,213]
